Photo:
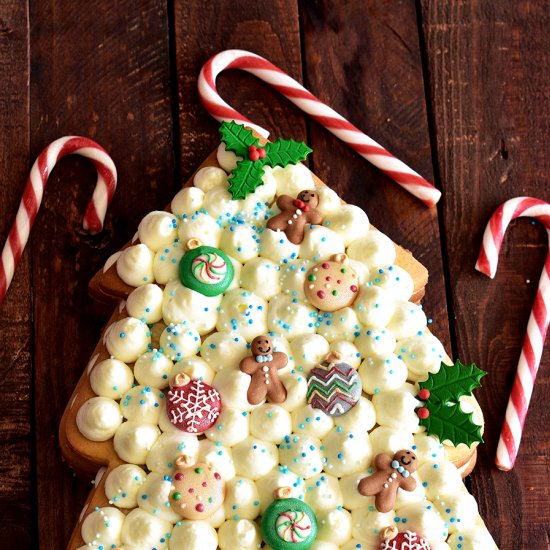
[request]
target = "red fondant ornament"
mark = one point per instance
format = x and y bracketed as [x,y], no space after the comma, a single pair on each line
[392,540]
[191,405]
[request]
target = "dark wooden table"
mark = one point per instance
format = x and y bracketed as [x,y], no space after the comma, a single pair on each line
[460,90]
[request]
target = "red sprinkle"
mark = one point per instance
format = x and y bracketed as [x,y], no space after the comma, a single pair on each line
[204,484]
[325,265]
[178,476]
[424,394]
[339,281]
[191,490]
[423,412]
[321,294]
[217,476]
[353,288]
[328,278]
[199,507]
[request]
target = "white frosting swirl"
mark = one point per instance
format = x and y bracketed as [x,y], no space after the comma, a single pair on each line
[143,530]
[373,249]
[200,226]
[231,428]
[224,350]
[127,339]
[254,458]
[349,221]
[346,452]
[292,179]
[242,534]
[180,341]
[194,535]
[145,303]
[98,418]
[187,201]
[303,454]
[210,177]
[181,304]
[158,229]
[242,500]
[153,369]
[270,422]
[103,526]
[320,243]
[122,485]
[135,265]
[111,378]
[161,458]
[261,276]
[134,440]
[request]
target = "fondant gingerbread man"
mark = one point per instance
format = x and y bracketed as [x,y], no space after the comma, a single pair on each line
[295,214]
[392,474]
[263,368]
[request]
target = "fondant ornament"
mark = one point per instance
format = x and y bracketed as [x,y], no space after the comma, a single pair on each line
[295,214]
[205,269]
[288,523]
[192,405]
[197,489]
[334,387]
[392,474]
[263,368]
[408,540]
[332,284]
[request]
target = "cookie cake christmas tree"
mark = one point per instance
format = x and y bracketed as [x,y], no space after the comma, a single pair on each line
[268,378]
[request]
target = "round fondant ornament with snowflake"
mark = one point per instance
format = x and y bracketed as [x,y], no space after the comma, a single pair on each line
[408,540]
[192,405]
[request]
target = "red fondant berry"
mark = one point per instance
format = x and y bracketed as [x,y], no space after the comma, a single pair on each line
[261,152]
[423,412]
[424,394]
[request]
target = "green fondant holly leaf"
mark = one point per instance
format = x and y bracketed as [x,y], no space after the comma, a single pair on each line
[452,423]
[452,382]
[244,179]
[237,138]
[247,176]
[285,151]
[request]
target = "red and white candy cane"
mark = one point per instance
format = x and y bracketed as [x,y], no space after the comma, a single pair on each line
[537,326]
[34,189]
[307,102]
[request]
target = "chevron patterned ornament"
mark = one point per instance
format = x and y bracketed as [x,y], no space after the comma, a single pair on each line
[334,387]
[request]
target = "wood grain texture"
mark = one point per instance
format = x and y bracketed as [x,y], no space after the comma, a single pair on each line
[102,72]
[489,82]
[16,472]
[364,61]
[118,72]
[202,29]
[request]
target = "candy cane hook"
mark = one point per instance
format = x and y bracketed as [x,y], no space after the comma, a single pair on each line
[537,326]
[307,102]
[34,189]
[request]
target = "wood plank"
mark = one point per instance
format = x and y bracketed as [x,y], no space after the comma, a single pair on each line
[488,74]
[364,61]
[102,72]
[16,495]
[202,29]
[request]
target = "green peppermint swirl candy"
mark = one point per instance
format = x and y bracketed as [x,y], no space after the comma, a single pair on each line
[207,270]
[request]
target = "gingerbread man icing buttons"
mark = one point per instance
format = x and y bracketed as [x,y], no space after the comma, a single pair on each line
[192,405]
[295,214]
[197,489]
[333,386]
[263,368]
[393,473]
[288,523]
[393,540]
[332,284]
[205,269]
